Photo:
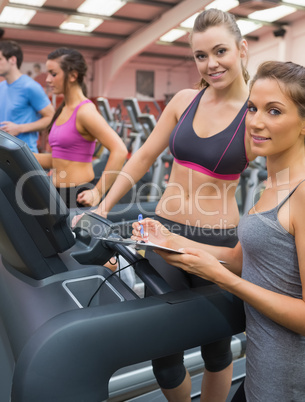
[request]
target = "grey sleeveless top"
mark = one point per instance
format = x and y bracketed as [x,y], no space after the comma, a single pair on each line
[275,363]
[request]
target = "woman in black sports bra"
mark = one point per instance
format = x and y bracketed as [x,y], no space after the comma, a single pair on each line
[205,130]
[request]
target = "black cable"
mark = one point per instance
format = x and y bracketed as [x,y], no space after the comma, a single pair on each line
[119,265]
[108,277]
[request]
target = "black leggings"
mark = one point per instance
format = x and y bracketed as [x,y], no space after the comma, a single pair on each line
[69,194]
[239,395]
[169,370]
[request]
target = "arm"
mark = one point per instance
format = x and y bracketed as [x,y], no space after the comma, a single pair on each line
[155,232]
[45,160]
[282,309]
[38,125]
[94,126]
[132,172]
[141,161]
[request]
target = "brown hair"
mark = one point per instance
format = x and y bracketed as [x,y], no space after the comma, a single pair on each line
[290,77]
[10,48]
[214,17]
[69,60]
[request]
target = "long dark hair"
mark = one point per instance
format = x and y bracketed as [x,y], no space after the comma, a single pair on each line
[69,60]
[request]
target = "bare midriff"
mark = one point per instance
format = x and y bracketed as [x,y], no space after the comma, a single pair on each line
[69,173]
[193,198]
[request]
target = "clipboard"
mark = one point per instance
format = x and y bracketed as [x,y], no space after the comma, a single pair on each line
[139,245]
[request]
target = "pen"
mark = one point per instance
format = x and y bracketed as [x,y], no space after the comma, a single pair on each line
[140,217]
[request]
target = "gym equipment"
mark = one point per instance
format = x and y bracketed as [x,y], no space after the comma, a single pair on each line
[161,166]
[251,184]
[104,108]
[101,154]
[137,135]
[67,323]
[142,125]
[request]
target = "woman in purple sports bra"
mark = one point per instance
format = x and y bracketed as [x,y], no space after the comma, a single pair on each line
[205,130]
[74,130]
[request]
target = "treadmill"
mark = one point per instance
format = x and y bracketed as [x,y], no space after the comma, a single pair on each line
[67,323]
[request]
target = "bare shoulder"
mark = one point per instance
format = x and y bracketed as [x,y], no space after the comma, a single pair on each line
[87,106]
[186,95]
[87,110]
[182,99]
[297,202]
[299,194]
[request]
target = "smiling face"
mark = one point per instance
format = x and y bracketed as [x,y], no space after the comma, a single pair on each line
[217,56]
[273,121]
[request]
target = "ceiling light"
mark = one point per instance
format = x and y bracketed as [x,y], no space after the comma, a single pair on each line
[189,23]
[172,35]
[223,5]
[37,3]
[272,14]
[12,15]
[101,7]
[81,23]
[296,2]
[248,26]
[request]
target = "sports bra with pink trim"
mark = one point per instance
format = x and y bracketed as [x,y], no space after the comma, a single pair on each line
[222,155]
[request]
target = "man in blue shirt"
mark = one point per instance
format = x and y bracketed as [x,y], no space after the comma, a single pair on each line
[25,109]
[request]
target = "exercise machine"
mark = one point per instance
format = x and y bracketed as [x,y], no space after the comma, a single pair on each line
[137,135]
[153,183]
[101,154]
[66,322]
[251,184]
[105,110]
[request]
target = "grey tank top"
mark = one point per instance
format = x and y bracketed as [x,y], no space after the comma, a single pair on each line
[275,363]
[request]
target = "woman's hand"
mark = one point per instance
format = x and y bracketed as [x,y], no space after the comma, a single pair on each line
[154,232]
[195,261]
[89,198]
[101,210]
[96,211]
